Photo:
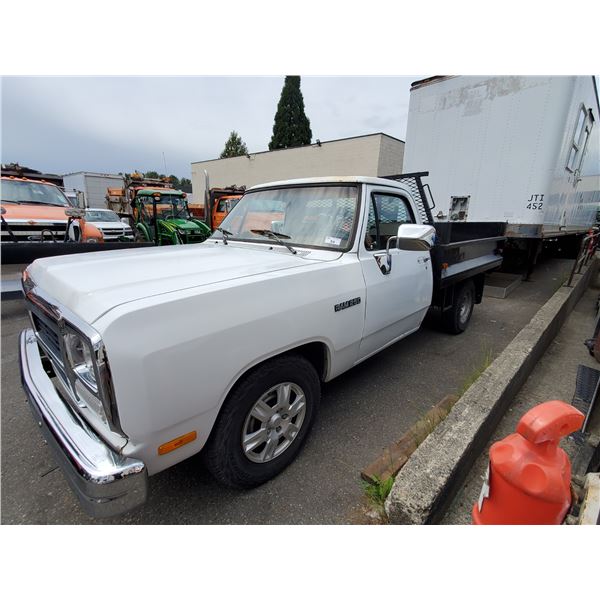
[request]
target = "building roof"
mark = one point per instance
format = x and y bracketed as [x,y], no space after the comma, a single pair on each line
[319,143]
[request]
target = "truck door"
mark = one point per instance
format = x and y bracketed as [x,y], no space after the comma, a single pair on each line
[397,301]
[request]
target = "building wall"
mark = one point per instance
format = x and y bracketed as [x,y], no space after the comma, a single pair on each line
[351,156]
[391,157]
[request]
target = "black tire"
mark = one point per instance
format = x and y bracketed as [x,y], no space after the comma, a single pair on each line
[456,319]
[224,454]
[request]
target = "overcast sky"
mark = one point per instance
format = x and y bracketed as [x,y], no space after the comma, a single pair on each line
[118,124]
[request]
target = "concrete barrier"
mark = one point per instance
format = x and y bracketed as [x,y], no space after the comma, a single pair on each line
[428,482]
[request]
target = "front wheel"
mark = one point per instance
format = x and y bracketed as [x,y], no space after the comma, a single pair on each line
[457,317]
[264,422]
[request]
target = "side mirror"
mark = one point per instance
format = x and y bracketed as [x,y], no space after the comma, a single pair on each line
[76,213]
[415,237]
[125,220]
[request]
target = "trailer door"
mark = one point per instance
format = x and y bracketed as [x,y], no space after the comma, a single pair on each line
[397,301]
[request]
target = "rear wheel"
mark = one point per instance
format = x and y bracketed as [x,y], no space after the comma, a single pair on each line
[456,318]
[264,422]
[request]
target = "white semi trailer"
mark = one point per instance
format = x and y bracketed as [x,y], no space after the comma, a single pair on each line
[93,186]
[519,150]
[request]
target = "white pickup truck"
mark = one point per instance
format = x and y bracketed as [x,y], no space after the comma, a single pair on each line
[138,359]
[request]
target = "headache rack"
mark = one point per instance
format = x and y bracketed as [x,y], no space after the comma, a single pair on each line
[462,249]
[417,188]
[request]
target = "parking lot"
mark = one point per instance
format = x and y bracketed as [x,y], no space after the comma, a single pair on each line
[361,412]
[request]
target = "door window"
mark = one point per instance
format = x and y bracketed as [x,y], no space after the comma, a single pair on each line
[386,214]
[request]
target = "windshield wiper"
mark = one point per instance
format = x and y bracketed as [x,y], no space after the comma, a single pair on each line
[226,234]
[275,236]
[12,201]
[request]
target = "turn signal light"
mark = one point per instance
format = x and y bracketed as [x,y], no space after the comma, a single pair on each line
[177,443]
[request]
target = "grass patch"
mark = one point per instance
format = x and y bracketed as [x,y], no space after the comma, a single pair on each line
[476,373]
[378,491]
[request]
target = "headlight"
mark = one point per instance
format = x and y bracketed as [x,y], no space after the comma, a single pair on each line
[91,381]
[81,359]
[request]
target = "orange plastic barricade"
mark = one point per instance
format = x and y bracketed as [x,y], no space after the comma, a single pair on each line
[529,481]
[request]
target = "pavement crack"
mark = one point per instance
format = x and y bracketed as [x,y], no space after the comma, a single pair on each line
[49,471]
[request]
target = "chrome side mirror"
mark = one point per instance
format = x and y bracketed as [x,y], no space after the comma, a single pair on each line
[76,213]
[415,237]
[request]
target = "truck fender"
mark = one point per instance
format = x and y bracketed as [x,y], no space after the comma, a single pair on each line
[317,352]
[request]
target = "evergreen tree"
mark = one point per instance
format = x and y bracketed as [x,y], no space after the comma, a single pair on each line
[234,146]
[185,185]
[291,127]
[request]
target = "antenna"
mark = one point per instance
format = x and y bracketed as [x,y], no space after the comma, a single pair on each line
[165,163]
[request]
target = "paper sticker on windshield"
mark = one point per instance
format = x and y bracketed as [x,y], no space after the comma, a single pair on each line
[333,240]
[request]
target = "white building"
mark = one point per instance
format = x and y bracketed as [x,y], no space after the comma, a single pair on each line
[93,186]
[376,154]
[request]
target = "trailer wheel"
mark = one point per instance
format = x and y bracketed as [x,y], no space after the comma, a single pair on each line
[264,422]
[456,319]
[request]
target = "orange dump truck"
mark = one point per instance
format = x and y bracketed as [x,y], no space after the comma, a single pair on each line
[220,201]
[38,211]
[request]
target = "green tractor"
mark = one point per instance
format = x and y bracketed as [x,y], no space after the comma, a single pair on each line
[162,216]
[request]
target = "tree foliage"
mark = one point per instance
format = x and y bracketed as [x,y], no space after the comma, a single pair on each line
[185,185]
[291,127]
[234,146]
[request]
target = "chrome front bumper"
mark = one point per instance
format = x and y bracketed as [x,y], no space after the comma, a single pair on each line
[106,483]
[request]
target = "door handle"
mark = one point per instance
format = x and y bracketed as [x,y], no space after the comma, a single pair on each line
[424,259]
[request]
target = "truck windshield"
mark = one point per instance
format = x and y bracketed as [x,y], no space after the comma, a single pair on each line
[314,216]
[30,192]
[99,216]
[169,207]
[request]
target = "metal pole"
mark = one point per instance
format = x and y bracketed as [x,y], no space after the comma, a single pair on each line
[207,207]
[568,284]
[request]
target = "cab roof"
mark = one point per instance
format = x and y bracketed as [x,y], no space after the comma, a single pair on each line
[152,191]
[332,179]
[27,180]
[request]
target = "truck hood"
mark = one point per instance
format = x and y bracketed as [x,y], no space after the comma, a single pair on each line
[109,225]
[92,284]
[33,212]
[182,224]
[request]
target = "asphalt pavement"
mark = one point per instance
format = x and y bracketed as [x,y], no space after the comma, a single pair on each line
[362,411]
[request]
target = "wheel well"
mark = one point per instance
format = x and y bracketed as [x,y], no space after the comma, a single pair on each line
[316,354]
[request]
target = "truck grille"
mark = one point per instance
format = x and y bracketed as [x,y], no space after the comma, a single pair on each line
[48,334]
[28,232]
[114,233]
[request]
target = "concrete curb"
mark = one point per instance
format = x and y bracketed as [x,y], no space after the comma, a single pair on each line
[428,482]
